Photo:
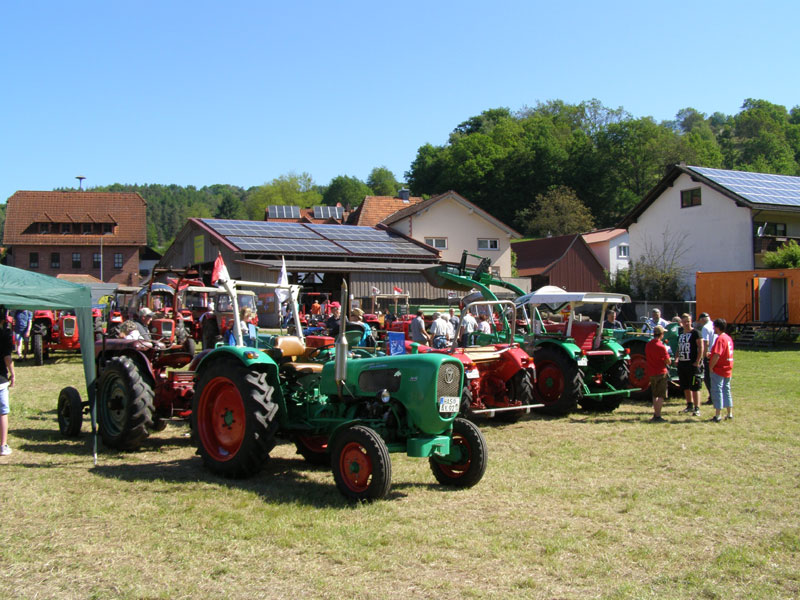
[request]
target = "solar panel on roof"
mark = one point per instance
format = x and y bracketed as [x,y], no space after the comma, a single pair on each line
[761,188]
[260,229]
[328,212]
[350,232]
[286,245]
[283,211]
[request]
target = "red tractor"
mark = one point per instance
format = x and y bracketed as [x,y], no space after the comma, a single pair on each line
[499,378]
[57,330]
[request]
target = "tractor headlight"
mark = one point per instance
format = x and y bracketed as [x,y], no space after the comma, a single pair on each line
[384,396]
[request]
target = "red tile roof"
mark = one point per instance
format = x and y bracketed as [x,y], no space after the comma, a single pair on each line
[375,209]
[126,210]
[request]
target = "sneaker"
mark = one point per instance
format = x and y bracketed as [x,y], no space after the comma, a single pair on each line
[658,420]
[5,450]
[716,419]
[696,412]
[729,416]
[688,409]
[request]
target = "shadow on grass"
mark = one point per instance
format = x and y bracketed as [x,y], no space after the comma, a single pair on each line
[50,441]
[281,481]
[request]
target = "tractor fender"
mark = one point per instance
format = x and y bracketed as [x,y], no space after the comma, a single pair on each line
[145,367]
[512,360]
[249,357]
[570,350]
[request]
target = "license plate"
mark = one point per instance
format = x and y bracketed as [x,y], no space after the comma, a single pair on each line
[473,374]
[449,404]
[583,361]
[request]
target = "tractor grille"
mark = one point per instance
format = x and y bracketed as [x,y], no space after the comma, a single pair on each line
[69,326]
[449,380]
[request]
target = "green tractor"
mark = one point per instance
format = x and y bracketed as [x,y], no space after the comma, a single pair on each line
[349,413]
[576,363]
[634,342]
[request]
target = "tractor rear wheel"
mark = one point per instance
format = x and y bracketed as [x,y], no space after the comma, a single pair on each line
[38,349]
[618,377]
[520,389]
[124,404]
[466,463]
[70,412]
[233,418]
[313,448]
[361,465]
[466,401]
[638,378]
[559,381]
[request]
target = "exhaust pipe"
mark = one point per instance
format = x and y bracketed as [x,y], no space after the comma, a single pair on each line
[340,371]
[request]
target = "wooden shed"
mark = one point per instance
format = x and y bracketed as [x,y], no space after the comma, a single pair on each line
[565,261]
[758,296]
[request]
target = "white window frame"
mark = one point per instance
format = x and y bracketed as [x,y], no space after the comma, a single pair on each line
[626,253]
[489,243]
[432,241]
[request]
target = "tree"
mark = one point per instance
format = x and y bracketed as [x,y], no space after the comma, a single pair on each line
[382,182]
[785,257]
[349,191]
[556,212]
[659,272]
[289,189]
[618,283]
[230,207]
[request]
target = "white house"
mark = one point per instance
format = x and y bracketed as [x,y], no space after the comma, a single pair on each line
[611,247]
[715,220]
[451,224]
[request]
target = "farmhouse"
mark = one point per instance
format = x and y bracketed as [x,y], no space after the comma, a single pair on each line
[715,220]
[77,233]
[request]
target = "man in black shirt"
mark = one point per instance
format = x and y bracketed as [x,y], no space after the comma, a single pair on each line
[690,370]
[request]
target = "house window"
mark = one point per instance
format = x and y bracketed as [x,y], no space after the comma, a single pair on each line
[86,228]
[623,251]
[66,228]
[487,244]
[118,260]
[76,260]
[108,228]
[33,260]
[690,198]
[44,227]
[438,243]
[55,260]
[96,260]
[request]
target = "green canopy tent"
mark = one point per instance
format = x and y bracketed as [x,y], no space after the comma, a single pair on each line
[24,289]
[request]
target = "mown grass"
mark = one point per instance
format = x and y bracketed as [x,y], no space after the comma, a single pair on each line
[605,506]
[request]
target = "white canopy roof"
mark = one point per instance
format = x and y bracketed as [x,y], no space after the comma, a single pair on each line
[551,294]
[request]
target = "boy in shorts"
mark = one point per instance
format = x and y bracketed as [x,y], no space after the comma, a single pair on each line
[658,360]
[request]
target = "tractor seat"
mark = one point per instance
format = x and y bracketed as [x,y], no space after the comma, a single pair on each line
[302,368]
[290,346]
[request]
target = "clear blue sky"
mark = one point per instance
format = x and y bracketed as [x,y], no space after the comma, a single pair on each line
[202,92]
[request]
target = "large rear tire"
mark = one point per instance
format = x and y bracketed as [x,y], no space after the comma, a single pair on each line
[38,349]
[559,381]
[361,465]
[466,463]
[466,402]
[124,404]
[233,418]
[70,412]
[520,389]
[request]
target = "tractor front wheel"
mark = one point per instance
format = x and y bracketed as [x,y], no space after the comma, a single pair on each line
[559,381]
[124,404]
[466,463]
[38,349]
[70,412]
[233,418]
[361,465]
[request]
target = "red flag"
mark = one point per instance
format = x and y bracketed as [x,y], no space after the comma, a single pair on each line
[220,272]
[398,290]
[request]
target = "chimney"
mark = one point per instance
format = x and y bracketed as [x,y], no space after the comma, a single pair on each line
[403,194]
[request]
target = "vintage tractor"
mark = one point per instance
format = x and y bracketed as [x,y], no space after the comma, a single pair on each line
[348,413]
[500,376]
[578,362]
[57,330]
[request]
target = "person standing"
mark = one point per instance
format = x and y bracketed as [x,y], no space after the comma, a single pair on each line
[416,329]
[468,326]
[690,354]
[6,379]
[657,369]
[454,320]
[438,331]
[721,363]
[23,321]
[483,324]
[706,328]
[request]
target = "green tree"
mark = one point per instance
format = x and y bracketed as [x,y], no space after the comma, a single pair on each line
[349,191]
[556,212]
[230,207]
[785,257]
[618,283]
[382,182]
[289,189]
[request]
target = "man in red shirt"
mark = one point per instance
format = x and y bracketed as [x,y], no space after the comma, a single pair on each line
[658,361]
[721,365]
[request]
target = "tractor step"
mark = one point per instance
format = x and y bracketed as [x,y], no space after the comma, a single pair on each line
[490,411]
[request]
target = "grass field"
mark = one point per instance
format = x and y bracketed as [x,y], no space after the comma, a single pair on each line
[590,506]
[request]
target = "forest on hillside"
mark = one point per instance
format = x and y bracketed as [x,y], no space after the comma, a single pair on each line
[549,169]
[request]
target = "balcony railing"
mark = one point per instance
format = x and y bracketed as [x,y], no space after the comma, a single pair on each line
[770,243]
